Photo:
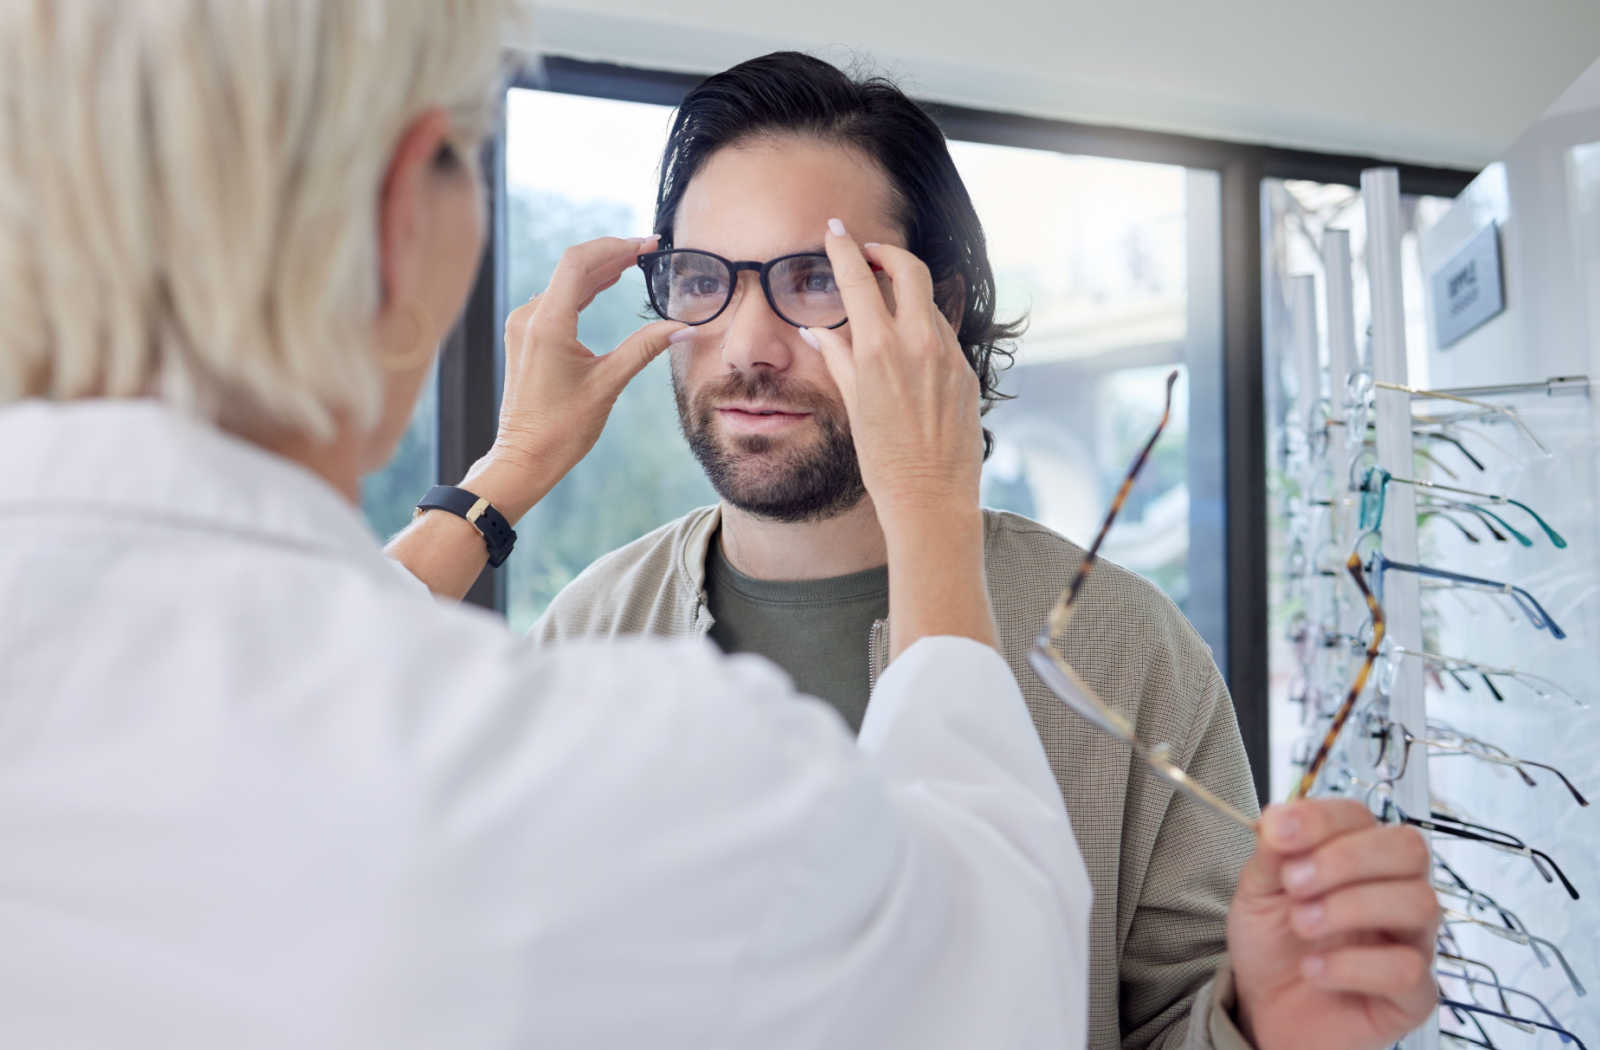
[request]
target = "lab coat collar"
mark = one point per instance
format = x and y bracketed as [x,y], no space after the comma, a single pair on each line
[141,459]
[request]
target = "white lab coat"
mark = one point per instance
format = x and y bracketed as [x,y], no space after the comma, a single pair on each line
[258,791]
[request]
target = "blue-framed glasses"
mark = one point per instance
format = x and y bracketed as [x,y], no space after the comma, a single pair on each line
[1377,564]
[1501,991]
[1457,1005]
[1375,480]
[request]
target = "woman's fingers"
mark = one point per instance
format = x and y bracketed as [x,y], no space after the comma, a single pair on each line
[870,320]
[1400,973]
[836,355]
[1387,851]
[908,274]
[1401,908]
[585,270]
[634,353]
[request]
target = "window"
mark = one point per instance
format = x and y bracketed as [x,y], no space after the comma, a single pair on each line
[598,182]
[1096,252]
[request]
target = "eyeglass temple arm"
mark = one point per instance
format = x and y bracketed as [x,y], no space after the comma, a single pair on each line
[1555,537]
[1500,989]
[1524,938]
[1494,978]
[1476,1009]
[1060,677]
[1060,615]
[1456,442]
[1471,537]
[1530,605]
[1308,779]
[1439,395]
[1571,787]
[1494,836]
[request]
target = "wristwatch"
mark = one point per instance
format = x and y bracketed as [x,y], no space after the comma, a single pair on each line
[498,535]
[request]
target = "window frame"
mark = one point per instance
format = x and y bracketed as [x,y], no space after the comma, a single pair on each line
[471,362]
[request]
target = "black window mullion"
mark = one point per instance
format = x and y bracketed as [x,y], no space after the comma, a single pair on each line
[1245,481]
[470,362]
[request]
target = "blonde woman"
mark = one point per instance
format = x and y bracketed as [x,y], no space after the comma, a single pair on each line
[258,789]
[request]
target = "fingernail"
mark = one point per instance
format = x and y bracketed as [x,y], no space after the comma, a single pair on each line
[872,244]
[1312,966]
[645,242]
[811,338]
[836,227]
[682,335]
[1298,875]
[1308,917]
[1285,827]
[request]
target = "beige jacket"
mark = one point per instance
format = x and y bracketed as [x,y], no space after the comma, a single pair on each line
[1163,868]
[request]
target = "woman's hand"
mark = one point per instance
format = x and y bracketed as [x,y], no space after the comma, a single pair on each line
[557,396]
[912,399]
[911,395]
[1331,933]
[557,392]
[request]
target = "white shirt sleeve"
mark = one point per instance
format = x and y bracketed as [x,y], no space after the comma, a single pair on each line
[977,933]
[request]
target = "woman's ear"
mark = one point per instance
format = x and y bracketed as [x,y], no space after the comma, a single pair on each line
[950,295]
[403,201]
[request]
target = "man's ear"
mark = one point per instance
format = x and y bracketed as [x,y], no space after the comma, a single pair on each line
[950,295]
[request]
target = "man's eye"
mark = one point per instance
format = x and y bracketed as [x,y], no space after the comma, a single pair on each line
[697,286]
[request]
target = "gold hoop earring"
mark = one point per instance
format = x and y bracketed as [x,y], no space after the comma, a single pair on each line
[417,351]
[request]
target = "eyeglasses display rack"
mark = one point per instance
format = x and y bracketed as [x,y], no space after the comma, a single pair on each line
[1400,596]
[1459,702]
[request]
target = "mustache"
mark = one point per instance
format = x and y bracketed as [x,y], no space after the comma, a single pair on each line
[764,386]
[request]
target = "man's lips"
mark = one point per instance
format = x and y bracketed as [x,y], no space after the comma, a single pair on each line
[759,410]
[758,418]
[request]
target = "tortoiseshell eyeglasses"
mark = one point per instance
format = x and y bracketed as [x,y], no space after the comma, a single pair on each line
[1341,715]
[1065,682]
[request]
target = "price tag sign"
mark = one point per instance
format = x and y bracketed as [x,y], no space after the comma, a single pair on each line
[1467,290]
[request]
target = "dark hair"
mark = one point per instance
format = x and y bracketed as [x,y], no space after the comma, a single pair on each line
[790,93]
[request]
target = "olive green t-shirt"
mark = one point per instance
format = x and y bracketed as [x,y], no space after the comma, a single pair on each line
[816,630]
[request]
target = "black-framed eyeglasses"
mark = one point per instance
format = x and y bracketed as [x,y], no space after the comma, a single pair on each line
[1445,824]
[694,287]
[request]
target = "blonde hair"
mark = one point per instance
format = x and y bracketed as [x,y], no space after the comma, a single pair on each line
[188,192]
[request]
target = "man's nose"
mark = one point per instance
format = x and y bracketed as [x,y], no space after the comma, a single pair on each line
[756,337]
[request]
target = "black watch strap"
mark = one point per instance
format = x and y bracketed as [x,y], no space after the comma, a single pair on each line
[498,535]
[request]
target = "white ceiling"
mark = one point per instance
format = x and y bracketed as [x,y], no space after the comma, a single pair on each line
[1449,82]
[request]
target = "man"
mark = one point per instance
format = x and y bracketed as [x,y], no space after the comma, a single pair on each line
[1329,951]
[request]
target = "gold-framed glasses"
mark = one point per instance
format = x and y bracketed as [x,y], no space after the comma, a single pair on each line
[1061,679]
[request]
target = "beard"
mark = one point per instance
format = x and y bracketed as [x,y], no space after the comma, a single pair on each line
[774,478]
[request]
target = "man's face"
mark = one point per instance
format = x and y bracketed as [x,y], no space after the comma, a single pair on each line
[757,405]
